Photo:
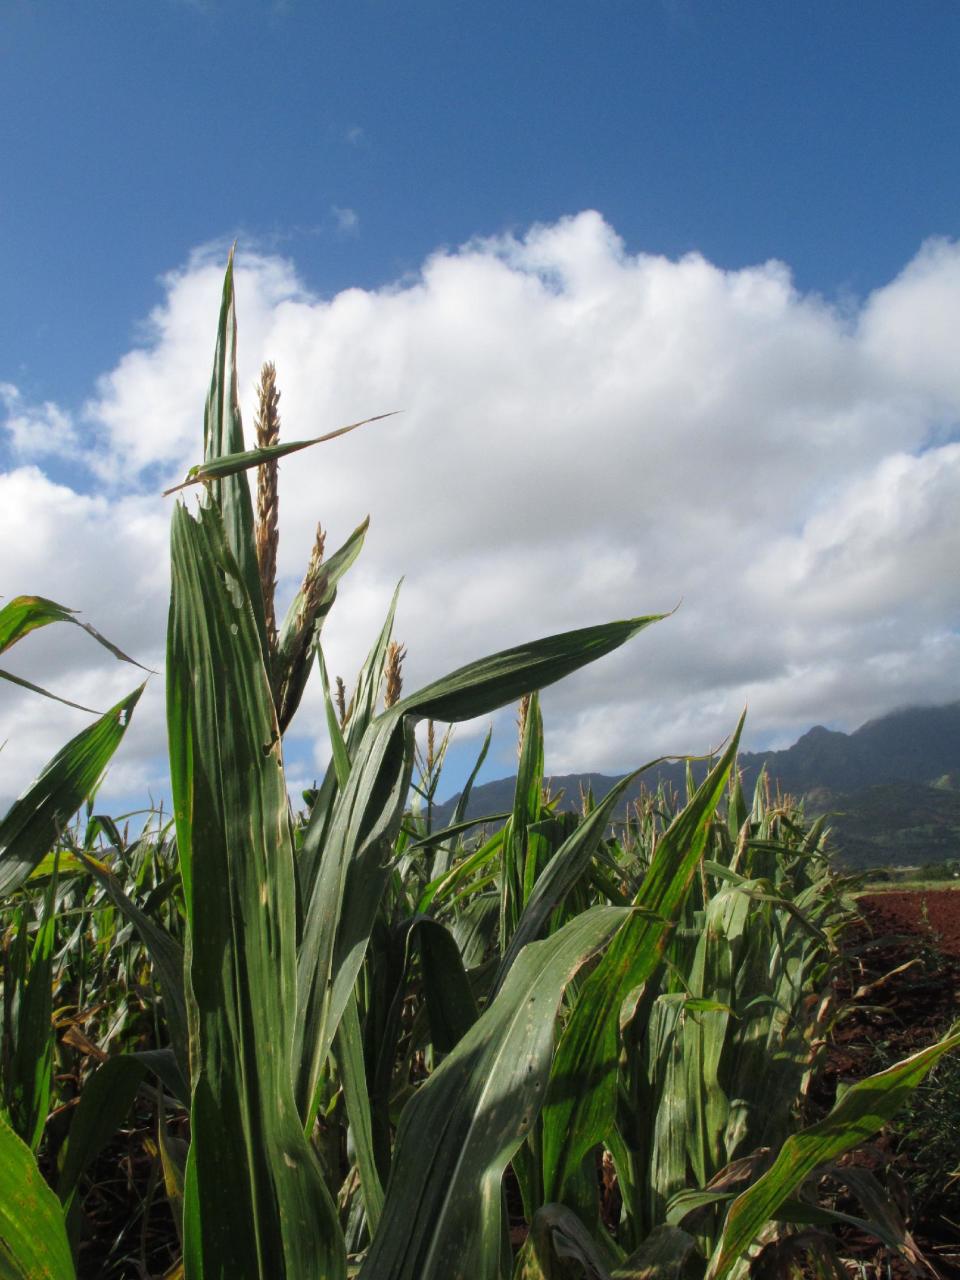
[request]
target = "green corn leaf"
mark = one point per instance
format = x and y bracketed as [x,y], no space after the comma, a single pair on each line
[460,812]
[683,1208]
[802,1213]
[474,928]
[348,1050]
[299,635]
[388,971]
[355,865]
[564,870]
[255,1202]
[68,864]
[859,1114]
[581,1100]
[522,847]
[451,1006]
[664,1111]
[166,956]
[33,823]
[444,855]
[36,688]
[442,1215]
[885,1220]
[667,1254]
[530,847]
[341,757]
[24,614]
[366,694]
[173,1160]
[483,686]
[353,872]
[104,1105]
[33,1237]
[222,436]
[30,1077]
[444,885]
[443,834]
[558,1247]
[815,834]
[704,1033]
[231,464]
[362,706]
[736,806]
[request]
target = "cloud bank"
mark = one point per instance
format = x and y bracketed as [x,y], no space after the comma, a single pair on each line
[587,434]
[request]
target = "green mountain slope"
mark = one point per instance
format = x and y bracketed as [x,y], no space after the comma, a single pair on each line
[895,824]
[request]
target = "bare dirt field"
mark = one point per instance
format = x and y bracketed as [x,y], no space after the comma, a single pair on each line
[900,987]
[932,915]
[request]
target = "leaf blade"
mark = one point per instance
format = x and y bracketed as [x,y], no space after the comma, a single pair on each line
[34,821]
[232,464]
[581,1098]
[862,1110]
[33,1236]
[255,1202]
[442,1213]
[354,868]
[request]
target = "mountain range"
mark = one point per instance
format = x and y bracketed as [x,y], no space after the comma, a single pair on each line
[891,788]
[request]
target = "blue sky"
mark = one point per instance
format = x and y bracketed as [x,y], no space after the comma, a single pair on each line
[820,134]
[350,146]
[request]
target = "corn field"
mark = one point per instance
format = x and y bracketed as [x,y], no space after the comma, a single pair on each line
[555,1046]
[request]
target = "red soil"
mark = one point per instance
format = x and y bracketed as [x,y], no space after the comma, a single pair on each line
[931,915]
[901,986]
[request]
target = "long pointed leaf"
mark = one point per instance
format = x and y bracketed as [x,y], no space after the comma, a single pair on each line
[348,1048]
[33,1237]
[444,855]
[363,704]
[36,688]
[529,846]
[581,1101]
[354,867]
[564,870]
[299,636]
[166,956]
[104,1103]
[862,1110]
[451,1005]
[223,435]
[442,1215]
[444,885]
[24,614]
[340,756]
[33,823]
[31,1069]
[483,686]
[557,1236]
[231,464]
[667,1254]
[255,1203]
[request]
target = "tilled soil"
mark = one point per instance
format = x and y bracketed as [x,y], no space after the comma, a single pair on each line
[900,991]
[931,915]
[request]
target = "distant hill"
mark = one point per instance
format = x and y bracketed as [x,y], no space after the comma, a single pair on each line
[896,824]
[892,787]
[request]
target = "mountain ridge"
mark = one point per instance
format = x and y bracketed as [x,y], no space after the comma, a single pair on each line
[890,785]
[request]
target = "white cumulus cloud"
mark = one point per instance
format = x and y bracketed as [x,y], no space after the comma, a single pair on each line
[587,433]
[35,430]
